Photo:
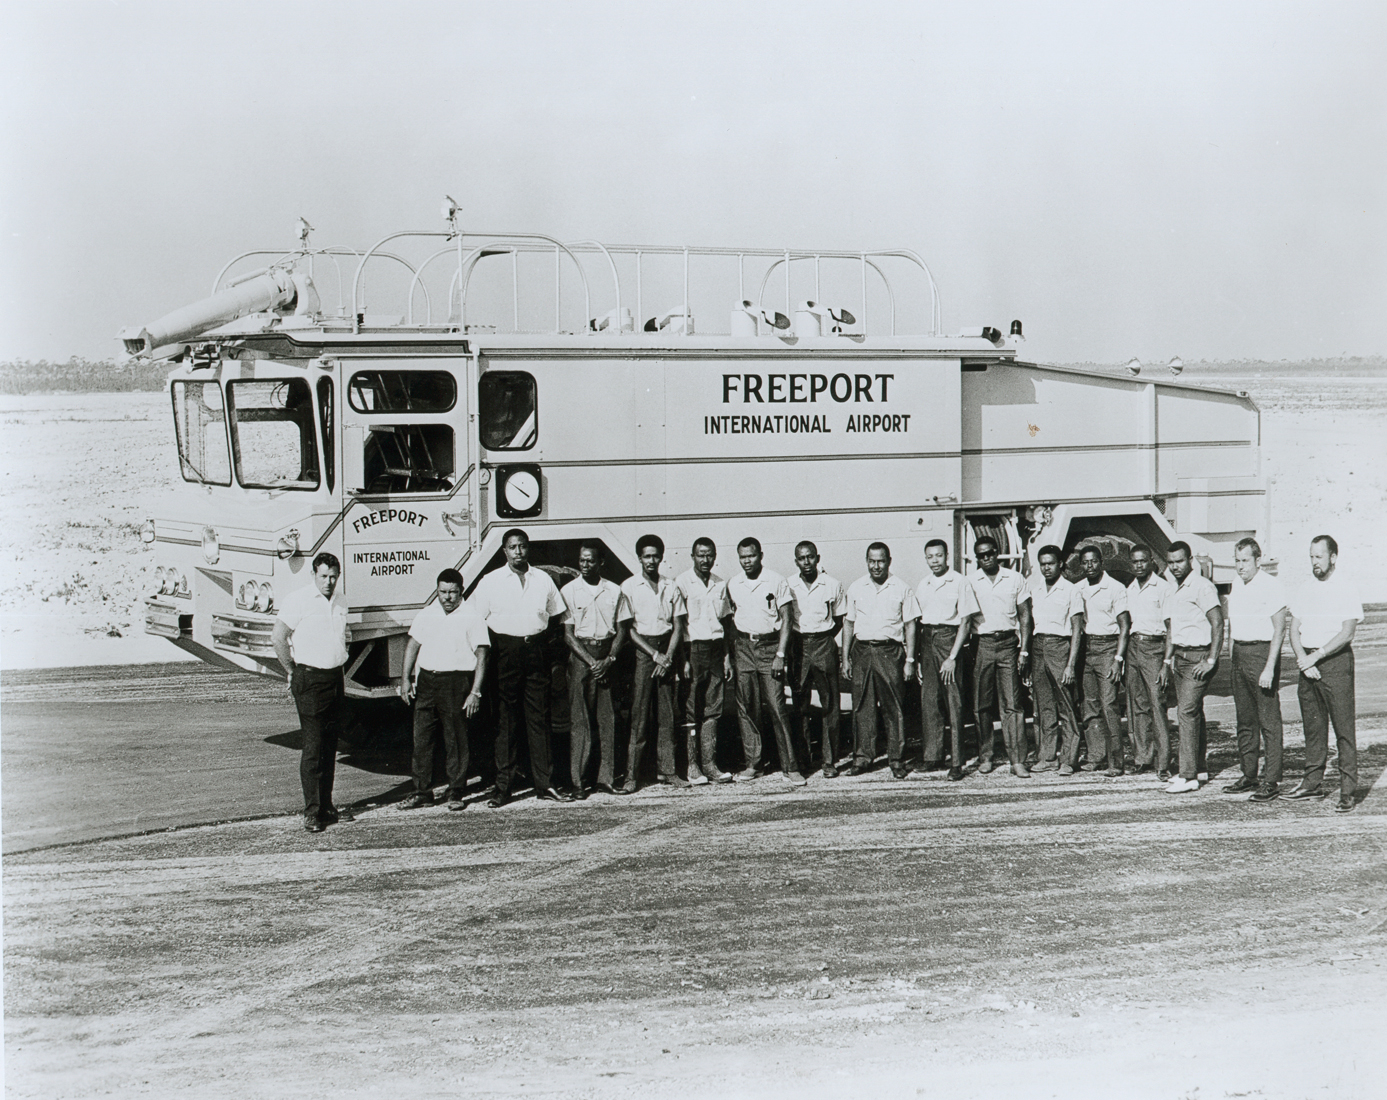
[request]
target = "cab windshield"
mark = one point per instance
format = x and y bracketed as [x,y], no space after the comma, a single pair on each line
[199,416]
[272,440]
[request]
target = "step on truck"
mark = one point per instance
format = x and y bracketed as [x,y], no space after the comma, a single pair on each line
[502,380]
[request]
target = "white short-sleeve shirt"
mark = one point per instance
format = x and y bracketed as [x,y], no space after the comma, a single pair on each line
[1103,603]
[1147,604]
[816,606]
[1053,606]
[756,603]
[998,598]
[879,612]
[945,600]
[1188,606]
[317,627]
[519,609]
[1324,606]
[1251,606]
[449,642]
[654,609]
[592,608]
[707,604]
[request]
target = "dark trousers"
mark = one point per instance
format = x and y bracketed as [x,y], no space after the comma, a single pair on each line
[1102,724]
[758,688]
[997,681]
[878,679]
[1258,710]
[1189,699]
[662,689]
[1146,722]
[522,689]
[1330,698]
[703,695]
[1057,721]
[319,698]
[936,643]
[590,705]
[438,703]
[814,667]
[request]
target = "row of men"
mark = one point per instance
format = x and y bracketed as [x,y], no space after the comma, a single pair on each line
[1153,632]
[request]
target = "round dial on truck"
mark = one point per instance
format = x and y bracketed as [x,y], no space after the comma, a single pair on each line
[522,490]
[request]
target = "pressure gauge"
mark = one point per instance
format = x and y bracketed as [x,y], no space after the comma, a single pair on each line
[518,491]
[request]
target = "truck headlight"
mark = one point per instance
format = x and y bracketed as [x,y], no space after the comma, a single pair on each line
[288,546]
[147,531]
[211,546]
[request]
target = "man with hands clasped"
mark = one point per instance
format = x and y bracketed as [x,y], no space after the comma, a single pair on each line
[1192,651]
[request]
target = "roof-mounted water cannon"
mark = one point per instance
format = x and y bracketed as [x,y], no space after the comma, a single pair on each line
[679,322]
[273,290]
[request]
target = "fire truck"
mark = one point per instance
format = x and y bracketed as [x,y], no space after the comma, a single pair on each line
[503,380]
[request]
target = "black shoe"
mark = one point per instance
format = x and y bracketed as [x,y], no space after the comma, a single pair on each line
[1307,792]
[548,794]
[498,799]
[931,766]
[955,774]
[607,788]
[578,794]
[1344,805]
[334,815]
[1164,775]
[417,799]
[900,771]
[313,825]
[857,769]
[1244,784]
[830,772]
[1266,792]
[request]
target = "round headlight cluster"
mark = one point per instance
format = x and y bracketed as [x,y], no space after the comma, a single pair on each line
[168,581]
[147,533]
[256,596]
[211,546]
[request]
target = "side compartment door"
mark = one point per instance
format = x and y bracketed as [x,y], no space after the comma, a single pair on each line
[407,473]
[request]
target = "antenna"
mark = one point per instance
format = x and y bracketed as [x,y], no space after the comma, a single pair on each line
[450,212]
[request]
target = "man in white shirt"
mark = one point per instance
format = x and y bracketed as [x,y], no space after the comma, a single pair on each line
[879,657]
[651,614]
[707,662]
[761,601]
[1106,626]
[1057,613]
[1147,673]
[449,643]
[1192,650]
[947,606]
[310,638]
[1257,622]
[1325,613]
[593,639]
[520,604]
[1003,634]
[816,618]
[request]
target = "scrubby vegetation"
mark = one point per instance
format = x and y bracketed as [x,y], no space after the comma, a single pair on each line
[81,376]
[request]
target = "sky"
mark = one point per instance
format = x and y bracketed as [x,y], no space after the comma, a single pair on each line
[1206,180]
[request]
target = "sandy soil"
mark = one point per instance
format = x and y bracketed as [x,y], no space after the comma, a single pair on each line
[81,472]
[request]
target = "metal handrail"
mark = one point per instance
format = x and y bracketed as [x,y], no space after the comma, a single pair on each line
[496,245]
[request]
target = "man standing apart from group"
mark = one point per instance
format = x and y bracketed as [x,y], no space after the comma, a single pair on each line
[593,642]
[761,601]
[657,608]
[310,640]
[519,604]
[1147,673]
[1106,626]
[816,618]
[1325,614]
[879,657]
[707,663]
[1192,651]
[449,643]
[1004,637]
[947,606]
[1057,613]
[1257,623]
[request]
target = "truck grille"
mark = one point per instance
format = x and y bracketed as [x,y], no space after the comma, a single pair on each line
[249,634]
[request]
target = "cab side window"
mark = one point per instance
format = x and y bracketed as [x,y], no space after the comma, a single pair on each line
[508,410]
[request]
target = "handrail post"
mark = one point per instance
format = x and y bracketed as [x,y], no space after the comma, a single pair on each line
[818,294]
[558,279]
[864,294]
[640,310]
[787,282]
[686,291]
[515,285]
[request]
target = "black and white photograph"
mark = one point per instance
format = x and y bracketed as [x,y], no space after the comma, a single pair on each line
[646,551]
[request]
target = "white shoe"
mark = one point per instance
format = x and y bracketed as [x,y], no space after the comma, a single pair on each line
[1203,777]
[1180,786]
[697,779]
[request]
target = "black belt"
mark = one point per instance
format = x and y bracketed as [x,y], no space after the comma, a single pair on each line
[1149,637]
[939,626]
[1203,650]
[775,637]
[516,638]
[1093,639]
[1260,641]
[818,634]
[315,668]
[596,643]
[877,643]
[1037,634]
[997,634]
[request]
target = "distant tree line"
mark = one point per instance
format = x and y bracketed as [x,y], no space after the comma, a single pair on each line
[82,376]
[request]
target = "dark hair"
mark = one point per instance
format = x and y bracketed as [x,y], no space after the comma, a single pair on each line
[1142,548]
[704,540]
[511,533]
[330,560]
[650,540]
[986,540]
[939,543]
[879,546]
[1328,540]
[1051,549]
[1249,544]
[805,542]
[1091,548]
[749,541]
[1181,545]
[450,576]
[595,545]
